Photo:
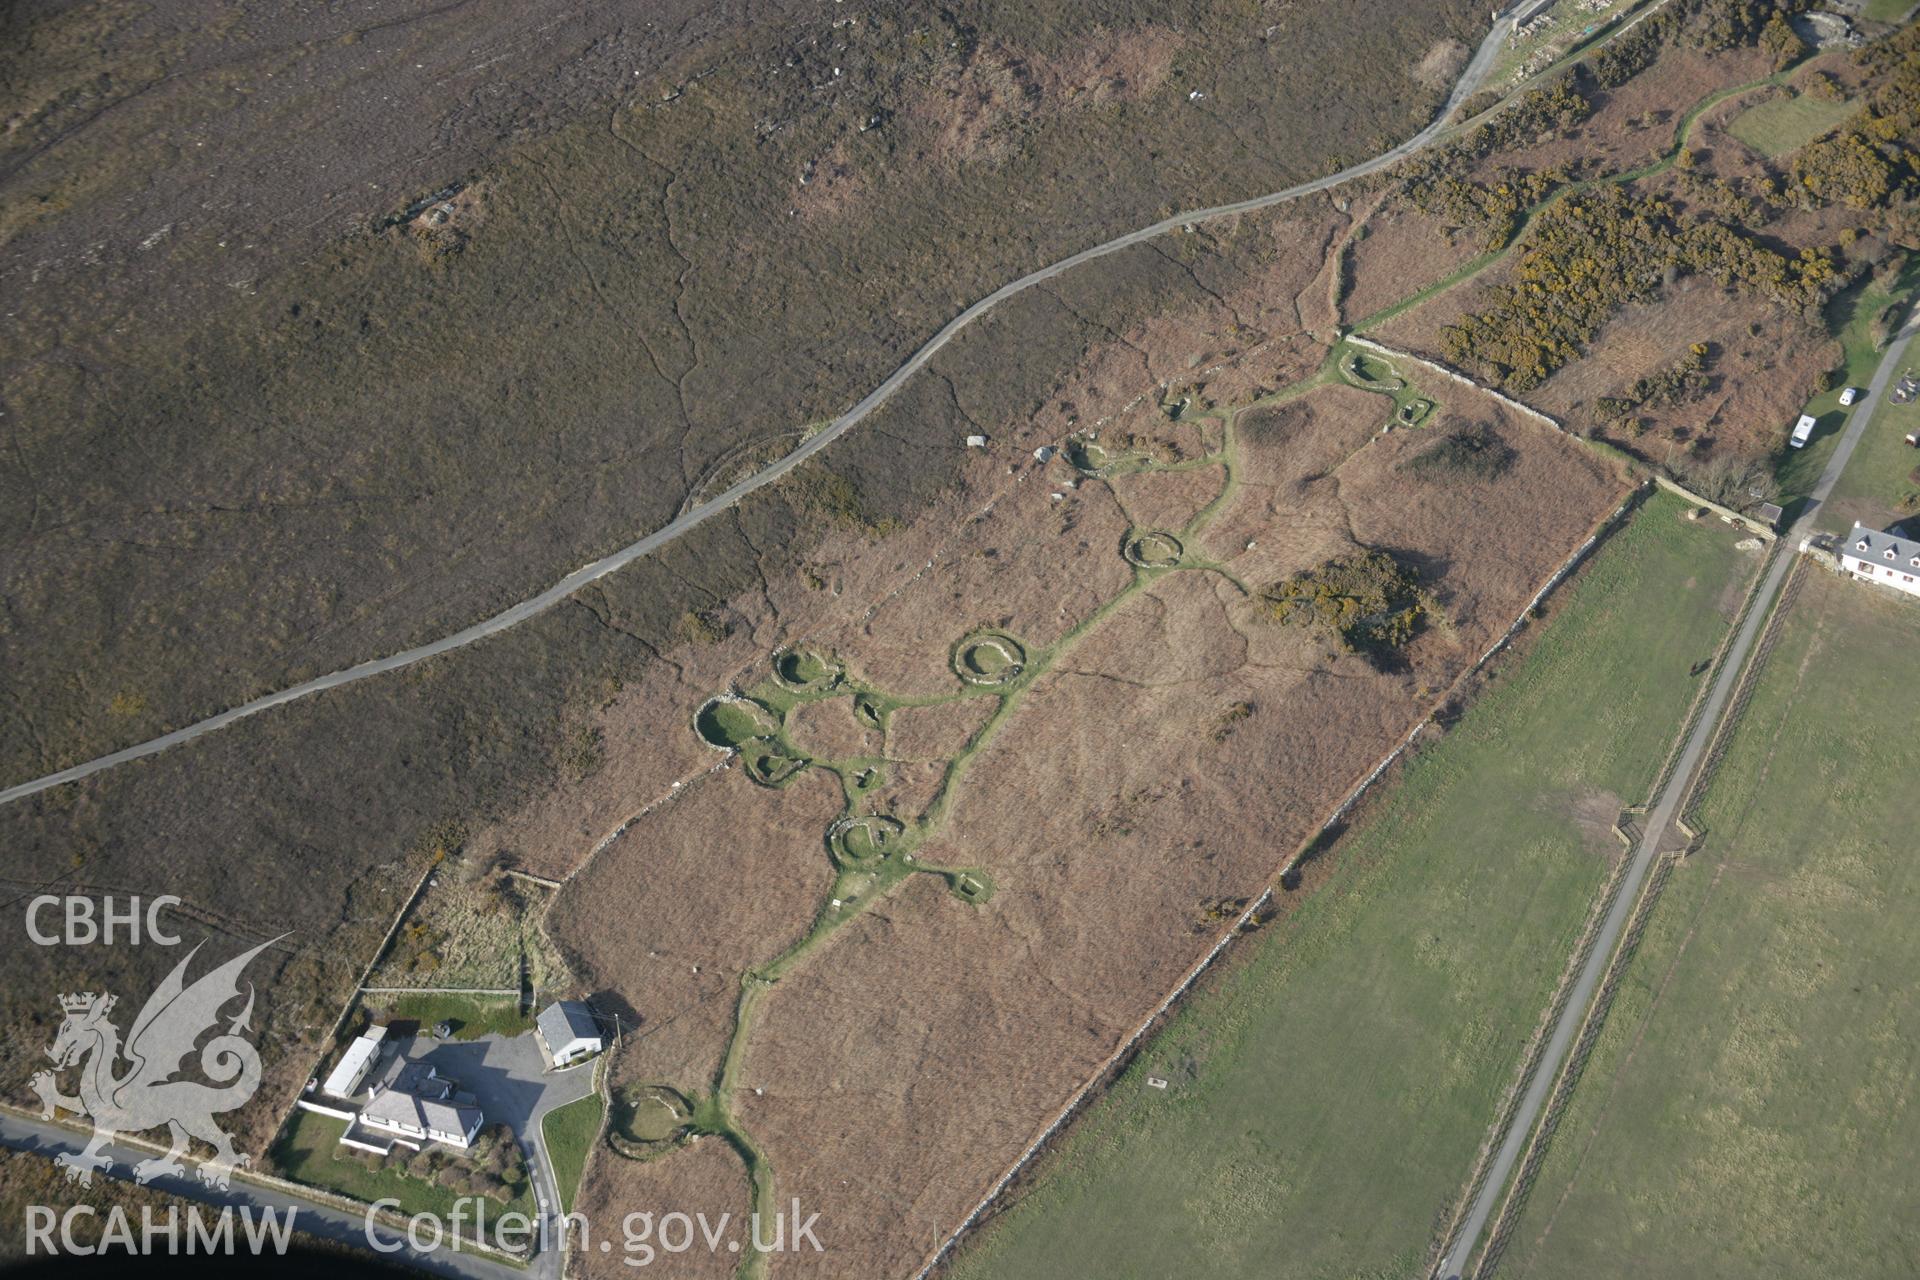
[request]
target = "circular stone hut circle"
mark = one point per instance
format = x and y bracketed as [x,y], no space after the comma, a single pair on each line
[1355,369]
[727,721]
[864,838]
[770,763]
[989,659]
[1087,456]
[651,1113]
[1153,549]
[869,711]
[648,1121]
[805,671]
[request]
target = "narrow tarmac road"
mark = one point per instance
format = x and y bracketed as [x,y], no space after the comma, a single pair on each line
[314,1218]
[1665,810]
[1469,82]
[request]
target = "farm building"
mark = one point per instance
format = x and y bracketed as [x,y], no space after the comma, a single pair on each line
[1885,558]
[568,1032]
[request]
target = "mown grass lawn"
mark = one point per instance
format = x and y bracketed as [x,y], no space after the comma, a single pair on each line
[1327,1098]
[470,1016]
[1878,484]
[570,1133]
[308,1151]
[1749,1109]
[1782,124]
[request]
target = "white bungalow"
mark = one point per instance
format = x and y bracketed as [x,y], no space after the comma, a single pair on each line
[420,1106]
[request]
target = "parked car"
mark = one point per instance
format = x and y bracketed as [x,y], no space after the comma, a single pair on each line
[1848,396]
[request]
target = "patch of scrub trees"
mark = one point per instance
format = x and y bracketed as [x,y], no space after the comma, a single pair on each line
[1865,165]
[1489,211]
[1683,380]
[1873,160]
[1714,25]
[1602,249]
[1367,603]
[1538,113]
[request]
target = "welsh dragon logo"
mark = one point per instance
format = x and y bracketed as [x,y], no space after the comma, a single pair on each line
[131,1087]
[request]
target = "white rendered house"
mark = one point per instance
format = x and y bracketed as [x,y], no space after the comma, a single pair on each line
[1884,558]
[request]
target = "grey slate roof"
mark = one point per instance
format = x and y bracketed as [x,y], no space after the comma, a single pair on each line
[1905,550]
[564,1021]
[422,1114]
[409,1075]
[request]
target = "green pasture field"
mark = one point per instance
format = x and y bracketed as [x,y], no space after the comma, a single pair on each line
[1748,1110]
[1327,1097]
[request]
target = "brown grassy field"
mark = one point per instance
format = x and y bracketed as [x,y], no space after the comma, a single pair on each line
[934,733]
[1759,381]
[1633,124]
[1403,251]
[662,922]
[703,1178]
[1094,808]
[1098,812]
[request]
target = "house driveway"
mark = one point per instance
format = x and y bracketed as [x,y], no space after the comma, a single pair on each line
[509,1079]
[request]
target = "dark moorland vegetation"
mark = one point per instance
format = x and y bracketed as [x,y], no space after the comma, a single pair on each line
[1471,452]
[283,463]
